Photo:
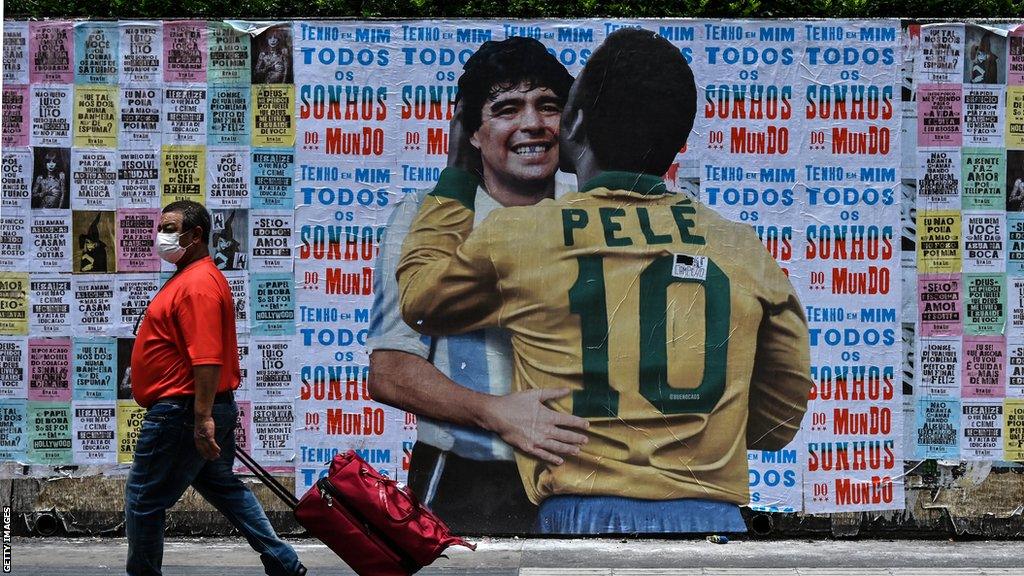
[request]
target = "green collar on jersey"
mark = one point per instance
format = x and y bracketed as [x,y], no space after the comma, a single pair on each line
[457,184]
[613,180]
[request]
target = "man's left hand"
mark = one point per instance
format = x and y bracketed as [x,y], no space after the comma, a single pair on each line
[205,438]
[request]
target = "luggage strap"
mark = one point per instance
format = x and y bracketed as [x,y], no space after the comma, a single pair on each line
[269,481]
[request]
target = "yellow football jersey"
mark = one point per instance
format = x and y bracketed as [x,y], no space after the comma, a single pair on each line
[681,338]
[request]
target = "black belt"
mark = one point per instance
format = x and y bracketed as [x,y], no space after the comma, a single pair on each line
[188,400]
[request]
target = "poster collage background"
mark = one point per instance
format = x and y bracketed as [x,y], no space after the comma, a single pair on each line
[878,164]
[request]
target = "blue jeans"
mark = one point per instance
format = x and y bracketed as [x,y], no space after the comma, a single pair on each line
[619,515]
[166,463]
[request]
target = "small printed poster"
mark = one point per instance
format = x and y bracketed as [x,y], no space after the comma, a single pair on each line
[227,178]
[138,179]
[93,313]
[238,281]
[272,432]
[14,288]
[96,52]
[940,304]
[1013,430]
[269,368]
[51,52]
[94,367]
[184,118]
[93,179]
[51,240]
[939,242]
[49,369]
[229,242]
[136,240]
[938,184]
[273,304]
[16,52]
[273,119]
[129,423]
[50,299]
[182,174]
[17,112]
[13,430]
[134,293]
[939,115]
[140,124]
[938,426]
[271,236]
[983,364]
[273,173]
[51,116]
[938,375]
[141,51]
[184,45]
[984,304]
[981,432]
[94,432]
[228,116]
[229,55]
[96,118]
[95,248]
[49,433]
[13,368]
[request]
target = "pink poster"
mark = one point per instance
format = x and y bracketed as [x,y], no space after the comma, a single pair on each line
[16,106]
[51,53]
[185,51]
[984,362]
[49,369]
[243,427]
[136,233]
[940,115]
[1015,62]
[940,304]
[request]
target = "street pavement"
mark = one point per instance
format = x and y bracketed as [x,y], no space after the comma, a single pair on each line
[559,557]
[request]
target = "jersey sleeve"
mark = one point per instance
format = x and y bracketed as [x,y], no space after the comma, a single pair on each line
[447,281]
[387,329]
[199,317]
[781,380]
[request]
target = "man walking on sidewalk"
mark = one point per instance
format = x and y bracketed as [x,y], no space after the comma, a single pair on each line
[184,370]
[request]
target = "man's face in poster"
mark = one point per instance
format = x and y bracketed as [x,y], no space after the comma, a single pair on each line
[518,135]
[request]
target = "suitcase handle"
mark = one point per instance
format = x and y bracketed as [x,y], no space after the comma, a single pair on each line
[382,492]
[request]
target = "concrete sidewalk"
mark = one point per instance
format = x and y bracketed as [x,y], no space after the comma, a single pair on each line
[549,557]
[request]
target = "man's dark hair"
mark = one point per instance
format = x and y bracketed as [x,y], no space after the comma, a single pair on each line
[192,214]
[639,101]
[499,66]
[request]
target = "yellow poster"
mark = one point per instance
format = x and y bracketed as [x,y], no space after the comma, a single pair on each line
[14,303]
[96,116]
[129,422]
[1015,116]
[182,175]
[273,115]
[938,246]
[1013,429]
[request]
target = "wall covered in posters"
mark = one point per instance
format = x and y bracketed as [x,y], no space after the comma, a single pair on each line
[881,167]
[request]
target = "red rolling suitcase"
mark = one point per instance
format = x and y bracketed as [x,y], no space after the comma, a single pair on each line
[377,528]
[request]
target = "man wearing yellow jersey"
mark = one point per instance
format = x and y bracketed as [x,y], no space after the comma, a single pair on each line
[682,340]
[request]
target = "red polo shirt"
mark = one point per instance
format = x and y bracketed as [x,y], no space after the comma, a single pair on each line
[190,322]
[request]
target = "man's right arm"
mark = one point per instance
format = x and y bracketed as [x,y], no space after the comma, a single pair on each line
[401,376]
[410,382]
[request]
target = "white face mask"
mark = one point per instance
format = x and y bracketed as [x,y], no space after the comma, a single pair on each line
[167,246]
